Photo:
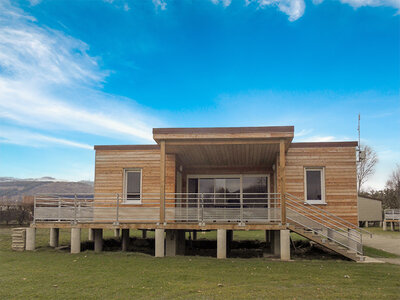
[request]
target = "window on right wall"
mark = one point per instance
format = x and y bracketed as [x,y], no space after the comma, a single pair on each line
[314,185]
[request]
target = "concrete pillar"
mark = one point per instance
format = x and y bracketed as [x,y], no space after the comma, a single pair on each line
[75,240]
[144,233]
[90,234]
[125,239]
[171,240]
[285,244]
[159,243]
[30,239]
[391,226]
[116,232]
[181,242]
[384,226]
[229,239]
[221,243]
[54,237]
[194,235]
[276,242]
[366,224]
[98,240]
[267,237]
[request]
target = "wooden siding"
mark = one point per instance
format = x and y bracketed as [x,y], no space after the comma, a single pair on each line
[109,176]
[340,177]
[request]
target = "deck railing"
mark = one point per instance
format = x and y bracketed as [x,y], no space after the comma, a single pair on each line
[392,214]
[145,207]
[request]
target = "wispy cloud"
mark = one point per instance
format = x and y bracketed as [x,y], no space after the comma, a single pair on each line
[49,81]
[295,8]
[32,139]
[319,138]
[160,4]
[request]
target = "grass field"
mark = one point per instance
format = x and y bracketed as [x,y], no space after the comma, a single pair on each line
[55,274]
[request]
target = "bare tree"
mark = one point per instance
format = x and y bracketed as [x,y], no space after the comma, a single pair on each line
[366,166]
[393,189]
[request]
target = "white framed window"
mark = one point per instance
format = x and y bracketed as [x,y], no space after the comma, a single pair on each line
[133,186]
[314,185]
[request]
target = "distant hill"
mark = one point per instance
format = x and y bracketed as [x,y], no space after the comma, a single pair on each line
[13,189]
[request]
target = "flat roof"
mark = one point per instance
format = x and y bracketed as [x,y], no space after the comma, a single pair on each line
[203,130]
[127,147]
[323,144]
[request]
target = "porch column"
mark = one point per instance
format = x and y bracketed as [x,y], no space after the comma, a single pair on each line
[75,240]
[391,226]
[98,240]
[30,239]
[384,226]
[125,239]
[144,233]
[221,243]
[285,244]
[162,181]
[116,232]
[159,243]
[282,164]
[194,236]
[54,234]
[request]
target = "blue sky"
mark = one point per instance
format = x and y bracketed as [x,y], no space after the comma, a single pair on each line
[78,73]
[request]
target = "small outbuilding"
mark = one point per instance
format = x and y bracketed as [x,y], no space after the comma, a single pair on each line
[369,211]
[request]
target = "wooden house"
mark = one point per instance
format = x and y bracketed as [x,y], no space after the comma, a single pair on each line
[224,179]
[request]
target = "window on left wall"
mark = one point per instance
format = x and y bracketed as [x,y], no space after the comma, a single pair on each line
[133,186]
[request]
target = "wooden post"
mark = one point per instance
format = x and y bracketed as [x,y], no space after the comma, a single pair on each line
[282,164]
[162,181]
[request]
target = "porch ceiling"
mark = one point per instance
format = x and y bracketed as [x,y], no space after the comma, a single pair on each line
[225,154]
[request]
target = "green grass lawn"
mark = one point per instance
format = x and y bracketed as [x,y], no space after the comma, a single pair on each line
[55,274]
[379,230]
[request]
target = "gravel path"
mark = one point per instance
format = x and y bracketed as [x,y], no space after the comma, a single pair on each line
[387,243]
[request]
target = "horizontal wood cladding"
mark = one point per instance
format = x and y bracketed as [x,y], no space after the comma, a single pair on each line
[340,176]
[110,165]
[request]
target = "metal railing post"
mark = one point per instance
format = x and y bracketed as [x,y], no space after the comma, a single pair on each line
[34,209]
[117,216]
[202,208]
[241,208]
[198,208]
[75,221]
[59,209]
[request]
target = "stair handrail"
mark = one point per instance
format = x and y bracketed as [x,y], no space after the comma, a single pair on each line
[343,221]
[331,238]
[339,232]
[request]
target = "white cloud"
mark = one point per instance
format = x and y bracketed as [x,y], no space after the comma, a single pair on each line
[49,81]
[160,4]
[302,132]
[295,8]
[32,139]
[318,138]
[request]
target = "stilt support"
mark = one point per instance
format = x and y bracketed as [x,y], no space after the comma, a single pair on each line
[221,243]
[159,243]
[98,240]
[285,244]
[54,237]
[75,240]
[125,239]
[30,239]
